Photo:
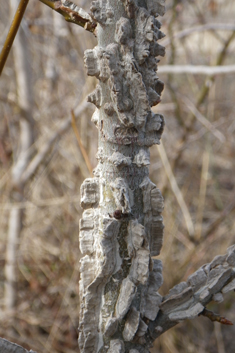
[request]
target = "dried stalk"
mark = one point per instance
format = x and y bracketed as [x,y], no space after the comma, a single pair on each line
[176,190]
[47,145]
[84,153]
[202,194]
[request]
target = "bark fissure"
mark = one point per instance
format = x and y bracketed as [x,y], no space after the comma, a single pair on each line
[124,227]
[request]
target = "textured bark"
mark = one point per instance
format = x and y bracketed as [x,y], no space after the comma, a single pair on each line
[122,227]
[9,347]
[188,299]
[72,13]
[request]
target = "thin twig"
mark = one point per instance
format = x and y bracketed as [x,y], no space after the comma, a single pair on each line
[219,61]
[200,100]
[203,120]
[202,193]
[214,225]
[46,147]
[197,69]
[72,13]
[206,27]
[12,33]
[219,339]
[176,189]
[54,202]
[84,153]
[54,328]
[215,317]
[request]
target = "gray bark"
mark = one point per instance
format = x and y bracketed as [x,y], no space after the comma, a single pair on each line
[121,228]
[9,347]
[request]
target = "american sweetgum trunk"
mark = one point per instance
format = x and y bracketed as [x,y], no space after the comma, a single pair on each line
[121,227]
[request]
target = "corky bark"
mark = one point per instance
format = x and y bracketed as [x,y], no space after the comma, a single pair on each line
[9,347]
[122,227]
[188,299]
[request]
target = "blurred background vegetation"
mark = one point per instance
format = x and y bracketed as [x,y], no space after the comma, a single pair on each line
[194,168]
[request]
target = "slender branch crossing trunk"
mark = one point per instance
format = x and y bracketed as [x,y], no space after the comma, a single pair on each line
[121,228]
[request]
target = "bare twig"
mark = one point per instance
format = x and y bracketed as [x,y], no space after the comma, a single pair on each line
[203,120]
[215,317]
[54,328]
[72,13]
[46,147]
[197,69]
[202,193]
[84,153]
[206,27]
[12,33]
[176,189]
[214,225]
[173,93]
[219,339]
[219,61]
[200,100]
[54,202]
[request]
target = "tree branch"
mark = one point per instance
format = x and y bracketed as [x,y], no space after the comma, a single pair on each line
[188,299]
[206,27]
[72,13]
[215,317]
[46,147]
[9,347]
[12,33]
[197,69]
[83,150]
[203,120]
[176,190]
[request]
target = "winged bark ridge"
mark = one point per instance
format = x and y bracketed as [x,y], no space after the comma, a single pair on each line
[122,227]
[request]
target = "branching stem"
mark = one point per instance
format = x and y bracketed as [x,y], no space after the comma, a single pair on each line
[72,13]
[215,317]
[12,33]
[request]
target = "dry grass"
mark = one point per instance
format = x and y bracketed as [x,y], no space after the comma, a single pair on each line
[202,168]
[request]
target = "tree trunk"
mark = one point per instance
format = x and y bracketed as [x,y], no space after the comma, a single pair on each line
[121,228]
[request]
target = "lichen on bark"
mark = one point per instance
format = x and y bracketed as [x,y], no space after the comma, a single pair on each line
[122,227]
